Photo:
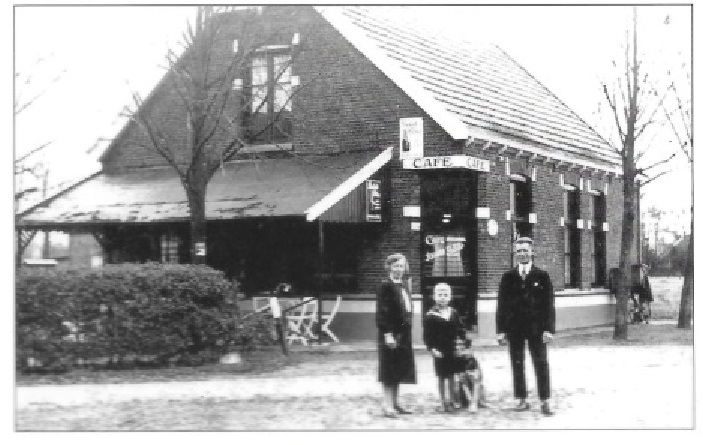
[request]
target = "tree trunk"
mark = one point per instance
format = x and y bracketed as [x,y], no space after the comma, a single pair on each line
[198,228]
[622,295]
[18,250]
[686,307]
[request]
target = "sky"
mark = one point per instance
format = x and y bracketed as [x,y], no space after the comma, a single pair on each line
[101,54]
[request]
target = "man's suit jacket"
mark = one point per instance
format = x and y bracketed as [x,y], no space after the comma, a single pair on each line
[526,306]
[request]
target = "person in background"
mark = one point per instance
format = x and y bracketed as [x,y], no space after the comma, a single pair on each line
[442,329]
[526,313]
[394,313]
[645,294]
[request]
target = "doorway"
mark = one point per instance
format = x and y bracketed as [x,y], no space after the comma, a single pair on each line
[449,239]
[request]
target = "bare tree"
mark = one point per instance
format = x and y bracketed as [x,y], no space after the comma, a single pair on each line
[26,95]
[28,168]
[209,95]
[634,102]
[678,115]
[220,117]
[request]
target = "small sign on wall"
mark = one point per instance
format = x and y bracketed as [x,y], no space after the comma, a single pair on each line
[483,212]
[200,249]
[96,261]
[411,138]
[411,211]
[415,226]
[373,200]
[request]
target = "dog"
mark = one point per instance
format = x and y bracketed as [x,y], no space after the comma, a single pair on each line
[469,378]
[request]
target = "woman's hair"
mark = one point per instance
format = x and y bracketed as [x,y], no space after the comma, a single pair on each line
[393,259]
[439,286]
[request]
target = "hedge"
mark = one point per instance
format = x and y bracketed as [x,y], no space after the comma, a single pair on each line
[129,314]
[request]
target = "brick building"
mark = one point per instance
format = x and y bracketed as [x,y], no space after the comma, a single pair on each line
[390,138]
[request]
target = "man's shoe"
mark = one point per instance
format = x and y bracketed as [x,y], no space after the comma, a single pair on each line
[401,410]
[546,409]
[522,406]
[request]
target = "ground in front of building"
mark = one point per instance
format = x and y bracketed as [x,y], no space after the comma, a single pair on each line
[597,383]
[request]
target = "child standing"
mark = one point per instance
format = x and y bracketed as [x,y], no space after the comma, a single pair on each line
[442,328]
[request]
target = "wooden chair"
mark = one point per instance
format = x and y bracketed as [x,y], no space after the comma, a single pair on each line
[300,321]
[328,318]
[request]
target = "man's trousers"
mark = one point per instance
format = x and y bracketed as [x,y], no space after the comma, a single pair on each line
[538,352]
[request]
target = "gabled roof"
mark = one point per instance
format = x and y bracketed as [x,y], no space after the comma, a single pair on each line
[470,89]
[296,186]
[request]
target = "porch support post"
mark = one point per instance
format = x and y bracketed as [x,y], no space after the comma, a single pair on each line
[320,268]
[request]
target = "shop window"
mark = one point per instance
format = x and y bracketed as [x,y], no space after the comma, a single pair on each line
[520,205]
[572,237]
[269,110]
[339,271]
[170,244]
[599,239]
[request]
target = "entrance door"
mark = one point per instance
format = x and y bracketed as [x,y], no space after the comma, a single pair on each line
[449,230]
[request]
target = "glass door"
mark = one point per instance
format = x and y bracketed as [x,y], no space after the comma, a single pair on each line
[449,238]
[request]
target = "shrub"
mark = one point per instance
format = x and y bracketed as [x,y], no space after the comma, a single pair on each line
[128,314]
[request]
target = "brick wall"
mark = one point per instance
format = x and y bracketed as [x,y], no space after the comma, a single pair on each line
[345,103]
[548,203]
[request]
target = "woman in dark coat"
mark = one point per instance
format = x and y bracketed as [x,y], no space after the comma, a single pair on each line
[396,361]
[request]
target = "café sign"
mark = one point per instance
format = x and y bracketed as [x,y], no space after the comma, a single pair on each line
[444,162]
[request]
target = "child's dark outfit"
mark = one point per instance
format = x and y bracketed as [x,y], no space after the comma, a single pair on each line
[440,334]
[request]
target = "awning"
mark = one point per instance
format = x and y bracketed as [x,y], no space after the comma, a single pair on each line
[305,186]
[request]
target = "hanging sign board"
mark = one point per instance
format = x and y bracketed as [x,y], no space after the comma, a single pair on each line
[373,200]
[445,162]
[411,137]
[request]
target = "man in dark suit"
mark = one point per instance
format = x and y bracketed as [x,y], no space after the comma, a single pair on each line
[526,313]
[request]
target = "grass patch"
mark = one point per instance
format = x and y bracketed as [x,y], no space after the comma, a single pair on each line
[637,335]
[253,363]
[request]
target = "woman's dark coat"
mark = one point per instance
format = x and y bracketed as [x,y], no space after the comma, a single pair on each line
[395,365]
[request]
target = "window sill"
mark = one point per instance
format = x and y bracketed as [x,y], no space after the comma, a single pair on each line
[266,148]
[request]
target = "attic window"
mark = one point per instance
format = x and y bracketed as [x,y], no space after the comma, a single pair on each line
[269,112]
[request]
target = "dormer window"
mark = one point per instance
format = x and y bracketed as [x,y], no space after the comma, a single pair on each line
[269,111]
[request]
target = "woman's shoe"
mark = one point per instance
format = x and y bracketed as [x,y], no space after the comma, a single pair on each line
[401,410]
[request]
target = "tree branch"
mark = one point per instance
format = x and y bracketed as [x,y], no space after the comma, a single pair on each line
[31,152]
[642,184]
[663,161]
[613,107]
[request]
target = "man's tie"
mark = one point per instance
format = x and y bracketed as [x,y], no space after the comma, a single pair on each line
[522,273]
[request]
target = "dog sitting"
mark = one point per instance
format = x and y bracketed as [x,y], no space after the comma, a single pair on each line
[470,390]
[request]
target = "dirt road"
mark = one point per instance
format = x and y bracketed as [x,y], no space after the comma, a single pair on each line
[593,387]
